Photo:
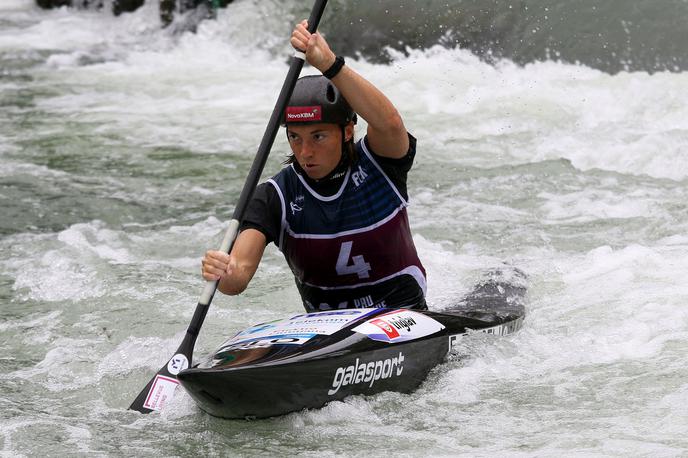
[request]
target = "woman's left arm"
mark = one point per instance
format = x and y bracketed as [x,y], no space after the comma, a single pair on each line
[387,134]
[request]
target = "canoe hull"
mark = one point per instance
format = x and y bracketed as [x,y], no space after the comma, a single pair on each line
[276,368]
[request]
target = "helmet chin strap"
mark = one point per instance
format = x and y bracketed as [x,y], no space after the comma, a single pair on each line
[342,165]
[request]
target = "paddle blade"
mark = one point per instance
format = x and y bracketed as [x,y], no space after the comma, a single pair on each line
[161,388]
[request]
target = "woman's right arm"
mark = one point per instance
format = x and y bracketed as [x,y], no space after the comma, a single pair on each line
[236,269]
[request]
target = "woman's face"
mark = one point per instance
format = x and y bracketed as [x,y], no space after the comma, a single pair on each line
[317,147]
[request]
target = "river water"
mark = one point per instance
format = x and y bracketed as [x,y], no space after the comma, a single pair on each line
[123,149]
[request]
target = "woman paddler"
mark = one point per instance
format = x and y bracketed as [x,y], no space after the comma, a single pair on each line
[338,209]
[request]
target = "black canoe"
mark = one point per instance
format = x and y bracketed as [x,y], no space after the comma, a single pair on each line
[308,360]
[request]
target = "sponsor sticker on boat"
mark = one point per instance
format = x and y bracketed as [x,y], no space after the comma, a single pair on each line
[399,326]
[161,391]
[367,372]
[262,342]
[296,330]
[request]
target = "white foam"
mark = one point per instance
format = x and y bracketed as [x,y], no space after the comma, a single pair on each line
[65,366]
[615,305]
[451,275]
[61,272]
[56,278]
[604,312]
[631,123]
[12,168]
[592,204]
[9,5]
[95,237]
[35,328]
[138,353]
[124,72]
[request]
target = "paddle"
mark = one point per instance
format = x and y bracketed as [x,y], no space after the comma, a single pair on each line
[162,387]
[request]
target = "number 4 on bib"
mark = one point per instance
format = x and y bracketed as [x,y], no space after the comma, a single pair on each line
[358,266]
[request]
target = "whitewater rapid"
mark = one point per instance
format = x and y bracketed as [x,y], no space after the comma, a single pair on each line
[123,149]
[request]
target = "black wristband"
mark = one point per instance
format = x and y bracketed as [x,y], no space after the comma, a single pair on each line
[335,68]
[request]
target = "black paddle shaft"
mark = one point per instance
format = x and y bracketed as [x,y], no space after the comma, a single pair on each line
[259,162]
[183,356]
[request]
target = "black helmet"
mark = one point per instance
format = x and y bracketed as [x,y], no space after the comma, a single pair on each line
[315,99]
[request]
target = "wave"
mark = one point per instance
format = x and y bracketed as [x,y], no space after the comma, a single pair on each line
[629,123]
[609,35]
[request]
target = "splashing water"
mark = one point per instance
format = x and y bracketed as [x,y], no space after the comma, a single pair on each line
[124,149]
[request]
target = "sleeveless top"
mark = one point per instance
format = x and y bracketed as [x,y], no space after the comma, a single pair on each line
[351,249]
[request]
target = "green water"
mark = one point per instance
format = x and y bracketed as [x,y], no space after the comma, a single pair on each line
[123,150]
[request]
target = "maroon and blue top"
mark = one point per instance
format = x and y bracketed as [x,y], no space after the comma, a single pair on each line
[352,248]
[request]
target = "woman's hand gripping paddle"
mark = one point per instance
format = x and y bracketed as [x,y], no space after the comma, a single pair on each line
[162,387]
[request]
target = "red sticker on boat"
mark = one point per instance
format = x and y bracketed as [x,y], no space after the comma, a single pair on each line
[386,327]
[304,114]
[399,326]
